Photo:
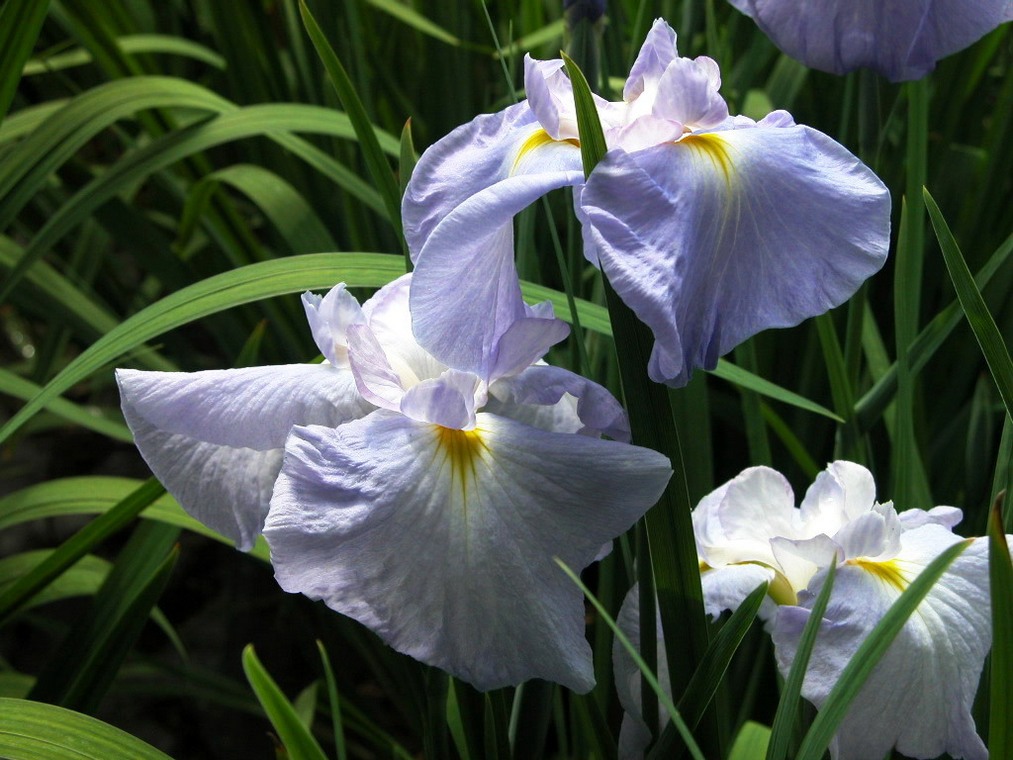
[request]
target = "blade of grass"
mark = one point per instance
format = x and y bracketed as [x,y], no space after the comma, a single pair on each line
[334,703]
[79,673]
[297,740]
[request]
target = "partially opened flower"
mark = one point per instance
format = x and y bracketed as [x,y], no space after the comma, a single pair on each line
[900,39]
[918,699]
[711,227]
[430,506]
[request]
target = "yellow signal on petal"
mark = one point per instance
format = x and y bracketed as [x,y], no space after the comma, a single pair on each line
[537,139]
[459,449]
[713,147]
[888,572]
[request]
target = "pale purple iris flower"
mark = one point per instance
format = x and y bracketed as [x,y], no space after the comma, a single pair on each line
[425,501]
[900,39]
[710,227]
[919,697]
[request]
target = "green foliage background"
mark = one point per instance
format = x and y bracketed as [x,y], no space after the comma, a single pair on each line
[171,172]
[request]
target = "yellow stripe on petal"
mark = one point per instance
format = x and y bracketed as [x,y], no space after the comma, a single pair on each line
[888,572]
[460,449]
[537,139]
[712,146]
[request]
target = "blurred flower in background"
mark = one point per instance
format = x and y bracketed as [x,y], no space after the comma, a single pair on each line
[900,39]
[919,697]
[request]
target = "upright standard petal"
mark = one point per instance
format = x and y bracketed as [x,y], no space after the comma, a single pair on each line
[215,438]
[723,234]
[900,39]
[442,541]
[918,698]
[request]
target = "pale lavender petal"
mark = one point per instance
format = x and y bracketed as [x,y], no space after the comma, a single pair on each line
[721,235]
[442,542]
[389,318]
[919,697]
[839,494]
[252,408]
[900,39]
[657,52]
[525,342]
[542,384]
[214,439]
[469,159]
[948,517]
[736,522]
[227,488]
[330,316]
[449,400]
[375,379]
[725,588]
[688,94]
[634,736]
[465,293]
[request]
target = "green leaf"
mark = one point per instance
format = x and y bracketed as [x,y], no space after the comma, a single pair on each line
[90,419]
[81,670]
[592,138]
[1000,572]
[20,24]
[97,495]
[751,742]
[978,317]
[376,162]
[250,283]
[35,731]
[791,692]
[77,546]
[414,19]
[297,740]
[868,655]
[705,681]
[131,44]
[266,119]
[334,702]
[663,697]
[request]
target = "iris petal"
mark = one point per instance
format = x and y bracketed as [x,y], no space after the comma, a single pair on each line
[443,541]
[721,235]
[918,699]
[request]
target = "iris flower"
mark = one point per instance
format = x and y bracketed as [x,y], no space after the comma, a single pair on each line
[710,227]
[900,39]
[425,501]
[918,699]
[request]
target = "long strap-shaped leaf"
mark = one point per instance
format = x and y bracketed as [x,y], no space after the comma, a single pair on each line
[978,317]
[224,291]
[295,737]
[33,730]
[669,529]
[379,168]
[20,24]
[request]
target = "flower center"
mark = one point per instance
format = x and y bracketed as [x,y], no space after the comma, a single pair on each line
[537,139]
[714,148]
